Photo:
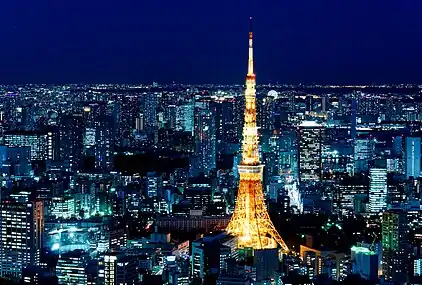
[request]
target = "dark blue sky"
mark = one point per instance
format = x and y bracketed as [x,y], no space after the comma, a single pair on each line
[92,41]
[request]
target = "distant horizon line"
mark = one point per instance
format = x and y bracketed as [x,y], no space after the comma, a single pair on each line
[347,85]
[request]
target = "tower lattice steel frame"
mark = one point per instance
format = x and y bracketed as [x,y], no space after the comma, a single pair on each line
[250,221]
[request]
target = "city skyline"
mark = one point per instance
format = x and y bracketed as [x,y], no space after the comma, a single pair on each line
[188,184]
[327,43]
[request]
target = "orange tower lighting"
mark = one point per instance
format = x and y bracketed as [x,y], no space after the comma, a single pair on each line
[250,221]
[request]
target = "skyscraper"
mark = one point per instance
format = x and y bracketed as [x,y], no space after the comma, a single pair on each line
[413,157]
[71,140]
[103,143]
[125,112]
[120,269]
[395,253]
[310,151]
[364,150]
[225,123]
[71,267]
[185,117]
[377,190]
[35,140]
[250,221]
[353,119]
[205,140]
[22,229]
[149,109]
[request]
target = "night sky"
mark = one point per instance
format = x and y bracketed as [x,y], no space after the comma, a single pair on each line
[140,41]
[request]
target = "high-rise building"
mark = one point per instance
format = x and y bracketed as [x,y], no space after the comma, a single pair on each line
[310,151]
[413,157]
[149,109]
[125,113]
[120,269]
[71,140]
[266,263]
[22,229]
[15,160]
[205,140]
[103,143]
[377,190]
[395,254]
[153,184]
[353,120]
[36,141]
[63,207]
[364,150]
[91,111]
[185,117]
[140,122]
[210,254]
[224,123]
[71,268]
[364,262]
[250,222]
[170,114]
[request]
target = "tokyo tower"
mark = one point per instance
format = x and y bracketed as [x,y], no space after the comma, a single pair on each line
[250,221]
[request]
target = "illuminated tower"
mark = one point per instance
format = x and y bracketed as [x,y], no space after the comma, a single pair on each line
[250,221]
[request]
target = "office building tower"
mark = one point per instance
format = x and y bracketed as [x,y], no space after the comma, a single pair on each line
[120,269]
[288,153]
[395,253]
[15,161]
[310,151]
[324,103]
[413,157]
[126,110]
[209,255]
[271,157]
[266,263]
[63,207]
[185,117]
[37,275]
[199,193]
[71,140]
[397,150]
[364,263]
[149,109]
[36,141]
[265,111]
[225,124]
[205,140]
[364,150]
[22,229]
[10,110]
[25,117]
[377,190]
[92,111]
[104,143]
[71,268]
[353,120]
[140,122]
[309,102]
[89,139]
[170,114]
[153,184]
[417,267]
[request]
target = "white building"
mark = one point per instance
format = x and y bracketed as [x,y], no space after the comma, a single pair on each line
[377,190]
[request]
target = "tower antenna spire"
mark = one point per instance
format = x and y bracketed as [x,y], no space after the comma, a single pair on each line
[250,59]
